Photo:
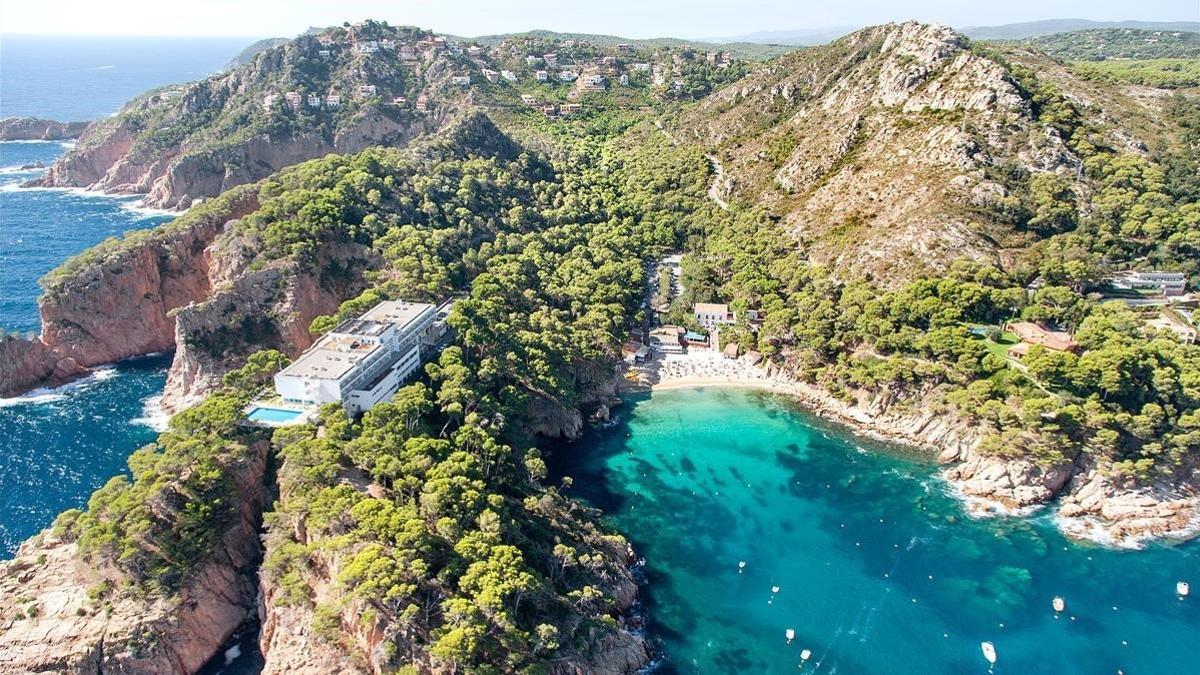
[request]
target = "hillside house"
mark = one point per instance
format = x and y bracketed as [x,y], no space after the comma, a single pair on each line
[528,99]
[368,47]
[711,314]
[608,60]
[324,53]
[634,352]
[314,101]
[366,90]
[623,80]
[1035,334]
[325,39]
[293,99]
[490,75]
[461,80]
[333,101]
[542,76]
[400,100]
[568,76]
[641,67]
[569,108]
[389,45]
[623,47]
[269,102]
[551,60]
[549,109]
[474,51]
[1167,283]
[422,103]
[407,53]
[456,51]
[593,83]
[532,60]
[363,361]
[508,75]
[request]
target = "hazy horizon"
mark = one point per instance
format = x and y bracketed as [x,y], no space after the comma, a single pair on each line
[702,19]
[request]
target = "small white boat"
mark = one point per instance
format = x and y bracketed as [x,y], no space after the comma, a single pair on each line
[989,652]
[1059,603]
[774,589]
[790,634]
[805,655]
[1182,588]
[741,566]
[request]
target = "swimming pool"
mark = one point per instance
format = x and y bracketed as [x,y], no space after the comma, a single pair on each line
[273,416]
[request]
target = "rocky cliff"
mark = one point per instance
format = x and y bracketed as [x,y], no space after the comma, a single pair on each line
[179,144]
[62,614]
[37,129]
[887,153]
[27,364]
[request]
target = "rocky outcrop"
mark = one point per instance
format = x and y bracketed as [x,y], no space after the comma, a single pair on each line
[270,308]
[57,615]
[598,384]
[109,305]
[37,129]
[1101,508]
[27,364]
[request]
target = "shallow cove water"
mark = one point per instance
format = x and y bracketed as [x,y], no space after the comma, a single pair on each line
[879,569]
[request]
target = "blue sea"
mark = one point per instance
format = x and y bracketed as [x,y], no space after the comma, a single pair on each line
[73,78]
[56,447]
[861,550]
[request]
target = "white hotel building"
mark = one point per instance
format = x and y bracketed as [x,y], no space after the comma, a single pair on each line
[365,360]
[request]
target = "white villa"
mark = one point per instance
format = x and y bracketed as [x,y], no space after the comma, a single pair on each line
[1168,283]
[710,314]
[365,360]
[542,75]
[461,80]
[369,47]
[508,75]
[333,100]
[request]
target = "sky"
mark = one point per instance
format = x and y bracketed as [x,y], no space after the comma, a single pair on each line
[629,18]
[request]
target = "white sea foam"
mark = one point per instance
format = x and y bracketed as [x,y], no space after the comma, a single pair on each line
[19,169]
[52,394]
[153,415]
[147,211]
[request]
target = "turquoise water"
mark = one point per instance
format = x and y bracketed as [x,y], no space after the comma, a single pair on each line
[878,568]
[273,415]
[57,447]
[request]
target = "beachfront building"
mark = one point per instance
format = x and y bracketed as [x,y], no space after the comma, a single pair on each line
[667,339]
[1167,283]
[1034,334]
[363,361]
[711,314]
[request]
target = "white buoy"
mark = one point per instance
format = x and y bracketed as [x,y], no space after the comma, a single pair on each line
[1059,603]
[805,655]
[791,635]
[989,652]
[1182,588]
[774,589]
[741,566]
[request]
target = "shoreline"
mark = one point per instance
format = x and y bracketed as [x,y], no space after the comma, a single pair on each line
[707,368]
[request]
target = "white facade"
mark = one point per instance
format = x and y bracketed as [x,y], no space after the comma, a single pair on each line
[361,362]
[710,315]
[1170,283]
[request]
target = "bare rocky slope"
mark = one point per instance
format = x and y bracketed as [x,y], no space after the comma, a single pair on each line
[179,144]
[893,151]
